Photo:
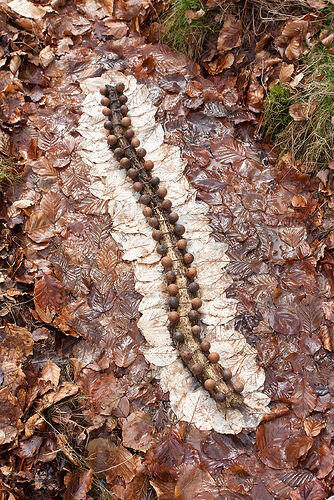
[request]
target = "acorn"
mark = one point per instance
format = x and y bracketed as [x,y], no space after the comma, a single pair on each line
[129,133]
[166,262]
[209,384]
[181,244]
[157,235]
[173,302]
[197,368]
[173,289]
[205,346]
[178,336]
[191,272]
[188,258]
[213,357]
[148,165]
[141,152]
[173,317]
[196,303]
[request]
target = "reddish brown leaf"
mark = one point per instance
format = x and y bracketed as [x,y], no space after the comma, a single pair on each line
[230,35]
[79,486]
[284,321]
[137,431]
[303,399]
[196,483]
[38,227]
[48,294]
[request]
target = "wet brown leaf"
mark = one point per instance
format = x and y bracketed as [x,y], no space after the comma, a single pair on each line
[137,431]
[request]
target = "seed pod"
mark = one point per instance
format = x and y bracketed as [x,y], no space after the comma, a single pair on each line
[213,357]
[197,368]
[181,244]
[220,397]
[161,192]
[145,199]
[125,162]
[173,289]
[166,205]
[205,346]
[238,386]
[179,229]
[132,173]
[135,142]
[227,374]
[148,165]
[119,152]
[188,258]
[129,133]
[161,249]
[103,90]
[166,262]
[173,317]
[123,99]
[112,140]
[186,355]
[191,272]
[125,122]
[193,287]
[147,211]
[120,87]
[124,110]
[141,152]
[153,222]
[138,186]
[209,384]
[106,111]
[108,125]
[193,316]
[157,235]
[155,181]
[105,101]
[170,276]
[178,336]
[196,330]
[173,217]
[173,303]
[196,303]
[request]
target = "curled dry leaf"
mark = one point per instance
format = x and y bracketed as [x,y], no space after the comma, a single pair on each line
[230,35]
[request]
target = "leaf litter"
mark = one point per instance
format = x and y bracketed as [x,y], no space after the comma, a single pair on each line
[89,372]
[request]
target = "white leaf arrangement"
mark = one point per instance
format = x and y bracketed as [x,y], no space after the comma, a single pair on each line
[188,399]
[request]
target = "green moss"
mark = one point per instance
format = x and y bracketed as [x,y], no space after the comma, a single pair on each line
[8,172]
[184,34]
[310,142]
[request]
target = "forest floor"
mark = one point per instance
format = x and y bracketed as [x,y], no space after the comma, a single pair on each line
[84,413]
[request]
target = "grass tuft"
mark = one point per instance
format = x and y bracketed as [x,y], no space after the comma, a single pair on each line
[8,171]
[183,33]
[311,141]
